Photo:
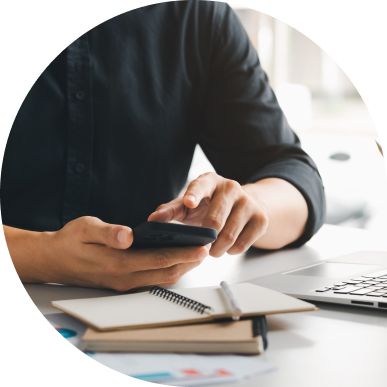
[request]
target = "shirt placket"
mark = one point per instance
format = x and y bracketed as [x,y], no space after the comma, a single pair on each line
[80,130]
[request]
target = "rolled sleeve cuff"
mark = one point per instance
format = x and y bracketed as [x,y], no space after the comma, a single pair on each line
[308,181]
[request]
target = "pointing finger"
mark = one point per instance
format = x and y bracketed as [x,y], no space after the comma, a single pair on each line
[203,186]
[173,210]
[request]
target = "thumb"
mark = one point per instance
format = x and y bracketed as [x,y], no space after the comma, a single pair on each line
[112,235]
[124,236]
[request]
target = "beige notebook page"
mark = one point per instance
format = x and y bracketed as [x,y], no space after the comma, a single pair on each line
[253,299]
[129,310]
[147,310]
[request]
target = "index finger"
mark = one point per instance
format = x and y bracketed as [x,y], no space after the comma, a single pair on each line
[203,186]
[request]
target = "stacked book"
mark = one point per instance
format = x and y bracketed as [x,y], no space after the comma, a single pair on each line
[197,320]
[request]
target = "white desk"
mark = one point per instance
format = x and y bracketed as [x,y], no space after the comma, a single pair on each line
[336,346]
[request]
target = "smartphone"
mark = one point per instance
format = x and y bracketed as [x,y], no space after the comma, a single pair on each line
[159,234]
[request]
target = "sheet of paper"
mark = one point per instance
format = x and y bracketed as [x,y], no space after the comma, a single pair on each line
[69,327]
[167,369]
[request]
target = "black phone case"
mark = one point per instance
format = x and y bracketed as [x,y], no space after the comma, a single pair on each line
[158,234]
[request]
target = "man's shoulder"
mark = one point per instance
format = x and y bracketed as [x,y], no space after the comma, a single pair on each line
[200,11]
[192,20]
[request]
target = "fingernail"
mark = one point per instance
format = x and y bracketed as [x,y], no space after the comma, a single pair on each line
[208,246]
[122,236]
[161,210]
[191,197]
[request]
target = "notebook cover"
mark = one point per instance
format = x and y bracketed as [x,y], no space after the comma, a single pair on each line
[144,310]
[247,336]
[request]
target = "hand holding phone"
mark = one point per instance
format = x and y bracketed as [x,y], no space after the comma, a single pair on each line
[159,234]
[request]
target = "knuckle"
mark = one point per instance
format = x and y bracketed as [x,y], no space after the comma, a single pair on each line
[244,201]
[215,222]
[87,220]
[240,247]
[266,221]
[261,220]
[83,225]
[81,222]
[173,275]
[227,237]
[163,260]
[82,230]
[231,185]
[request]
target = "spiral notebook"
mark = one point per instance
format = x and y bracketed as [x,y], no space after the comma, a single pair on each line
[162,307]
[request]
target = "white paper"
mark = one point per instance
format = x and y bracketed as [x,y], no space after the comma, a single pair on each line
[169,369]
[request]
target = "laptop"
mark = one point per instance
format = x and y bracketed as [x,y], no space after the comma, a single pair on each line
[354,279]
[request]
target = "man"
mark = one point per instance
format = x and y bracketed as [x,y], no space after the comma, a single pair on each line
[106,136]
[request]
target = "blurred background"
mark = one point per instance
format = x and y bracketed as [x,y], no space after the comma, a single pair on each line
[325,110]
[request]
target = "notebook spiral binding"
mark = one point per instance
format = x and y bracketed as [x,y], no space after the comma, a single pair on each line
[179,300]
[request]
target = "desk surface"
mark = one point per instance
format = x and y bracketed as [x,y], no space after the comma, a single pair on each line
[336,346]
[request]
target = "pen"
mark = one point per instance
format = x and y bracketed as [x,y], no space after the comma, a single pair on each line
[236,309]
[379,147]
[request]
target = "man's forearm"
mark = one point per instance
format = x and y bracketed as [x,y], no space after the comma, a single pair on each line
[26,248]
[286,209]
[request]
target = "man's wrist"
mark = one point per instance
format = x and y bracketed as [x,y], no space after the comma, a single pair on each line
[254,191]
[43,254]
[29,252]
[286,209]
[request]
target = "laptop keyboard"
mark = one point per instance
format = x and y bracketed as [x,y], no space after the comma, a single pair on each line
[373,284]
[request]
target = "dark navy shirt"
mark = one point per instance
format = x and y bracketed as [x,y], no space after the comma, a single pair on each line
[110,127]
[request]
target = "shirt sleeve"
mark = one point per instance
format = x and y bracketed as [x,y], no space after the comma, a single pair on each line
[245,134]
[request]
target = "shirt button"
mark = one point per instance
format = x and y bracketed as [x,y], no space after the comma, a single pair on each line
[79,168]
[80,94]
